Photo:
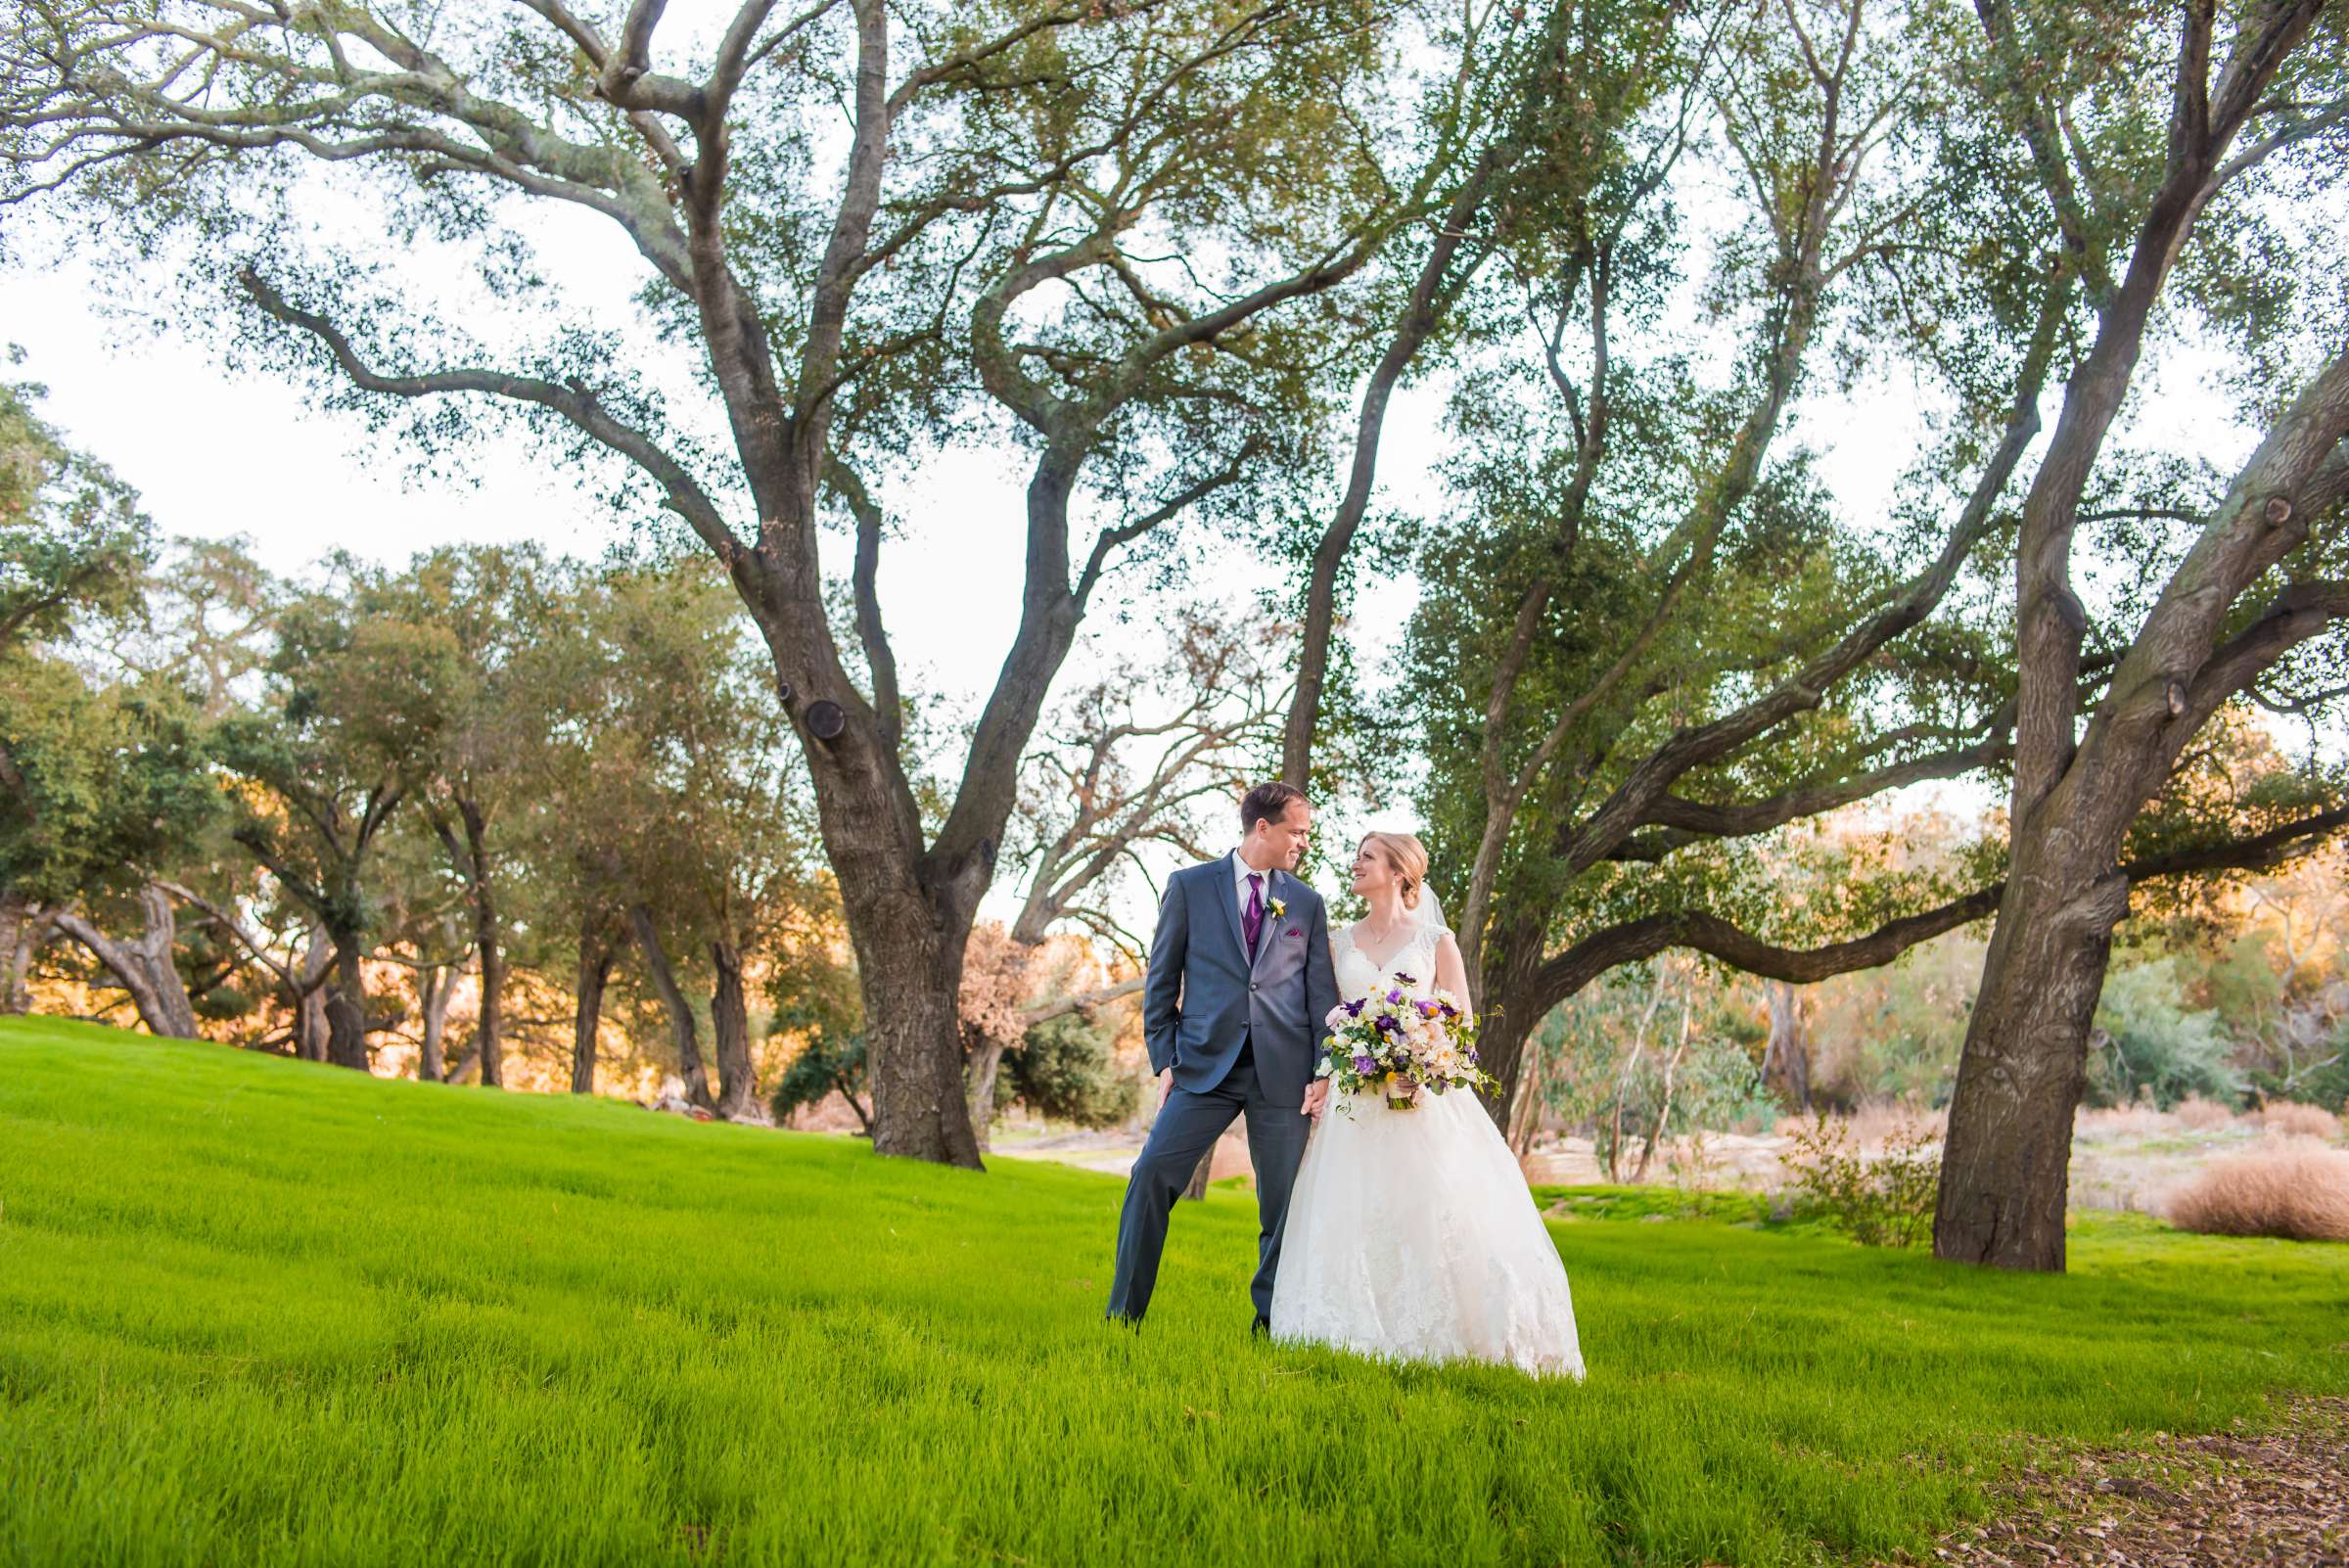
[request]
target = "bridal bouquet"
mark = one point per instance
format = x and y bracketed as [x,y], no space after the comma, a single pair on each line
[1399,1040]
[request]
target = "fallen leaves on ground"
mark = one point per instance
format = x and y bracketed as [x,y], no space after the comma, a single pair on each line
[2271,1497]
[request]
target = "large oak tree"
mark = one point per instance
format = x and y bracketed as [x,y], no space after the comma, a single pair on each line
[2162,142]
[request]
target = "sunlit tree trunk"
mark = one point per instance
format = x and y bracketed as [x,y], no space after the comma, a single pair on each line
[1788,1052]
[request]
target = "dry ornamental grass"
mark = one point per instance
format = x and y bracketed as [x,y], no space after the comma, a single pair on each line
[2141,1121]
[2200,1115]
[2308,1121]
[2292,1188]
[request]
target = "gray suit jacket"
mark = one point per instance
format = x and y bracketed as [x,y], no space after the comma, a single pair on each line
[1203,996]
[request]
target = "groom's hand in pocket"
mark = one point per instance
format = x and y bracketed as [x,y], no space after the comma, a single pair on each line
[1166,1086]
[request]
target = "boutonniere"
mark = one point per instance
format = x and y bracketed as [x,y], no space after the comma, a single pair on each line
[1279,907]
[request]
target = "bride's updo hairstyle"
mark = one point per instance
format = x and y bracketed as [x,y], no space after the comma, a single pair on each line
[1408,859]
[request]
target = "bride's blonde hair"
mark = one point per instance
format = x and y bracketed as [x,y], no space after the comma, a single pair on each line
[1408,857]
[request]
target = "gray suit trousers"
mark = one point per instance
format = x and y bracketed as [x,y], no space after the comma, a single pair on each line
[1187,1126]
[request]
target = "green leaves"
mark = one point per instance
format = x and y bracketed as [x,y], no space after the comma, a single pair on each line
[72,536]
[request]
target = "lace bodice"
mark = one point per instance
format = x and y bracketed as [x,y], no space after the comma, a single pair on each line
[1358,976]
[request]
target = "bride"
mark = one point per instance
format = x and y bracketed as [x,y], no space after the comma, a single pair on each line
[1410,1233]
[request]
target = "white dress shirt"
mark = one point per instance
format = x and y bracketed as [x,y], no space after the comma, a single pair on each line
[1241,871]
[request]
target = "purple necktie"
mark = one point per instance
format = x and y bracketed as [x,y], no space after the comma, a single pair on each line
[1254,920]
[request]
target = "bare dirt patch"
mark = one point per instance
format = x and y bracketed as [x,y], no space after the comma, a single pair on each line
[2275,1496]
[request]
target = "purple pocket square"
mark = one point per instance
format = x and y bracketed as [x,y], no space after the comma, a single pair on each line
[1292,933]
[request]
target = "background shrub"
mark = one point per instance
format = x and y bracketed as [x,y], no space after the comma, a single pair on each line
[2289,1187]
[1883,1202]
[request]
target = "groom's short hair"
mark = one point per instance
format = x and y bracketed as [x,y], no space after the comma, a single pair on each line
[1266,803]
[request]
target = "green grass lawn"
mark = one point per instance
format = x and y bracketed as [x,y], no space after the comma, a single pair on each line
[259,1311]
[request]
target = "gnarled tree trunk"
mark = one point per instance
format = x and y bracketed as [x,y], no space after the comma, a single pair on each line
[909,967]
[1511,1011]
[143,966]
[2006,1165]
[683,1032]
[2005,1171]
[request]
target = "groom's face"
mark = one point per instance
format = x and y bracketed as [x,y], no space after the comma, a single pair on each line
[1288,835]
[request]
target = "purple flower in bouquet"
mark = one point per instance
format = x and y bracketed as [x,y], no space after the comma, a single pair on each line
[1407,980]
[1365,1064]
[1395,998]
[1386,1024]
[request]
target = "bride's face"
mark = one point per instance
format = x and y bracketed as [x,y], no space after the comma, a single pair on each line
[1372,873]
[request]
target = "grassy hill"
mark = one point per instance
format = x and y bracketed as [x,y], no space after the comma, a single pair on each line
[259,1311]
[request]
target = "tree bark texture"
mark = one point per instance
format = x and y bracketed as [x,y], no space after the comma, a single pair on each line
[1788,1057]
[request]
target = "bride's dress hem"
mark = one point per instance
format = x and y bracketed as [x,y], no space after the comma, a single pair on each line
[1541,1370]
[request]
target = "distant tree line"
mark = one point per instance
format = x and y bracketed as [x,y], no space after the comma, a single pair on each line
[301,814]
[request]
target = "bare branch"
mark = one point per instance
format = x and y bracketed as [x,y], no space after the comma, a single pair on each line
[573,401]
[1632,941]
[1181,500]
[1743,818]
[1084,1001]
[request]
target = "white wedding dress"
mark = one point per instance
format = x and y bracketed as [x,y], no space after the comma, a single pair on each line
[1411,1233]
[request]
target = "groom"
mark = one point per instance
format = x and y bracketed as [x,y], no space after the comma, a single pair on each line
[1232,1010]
